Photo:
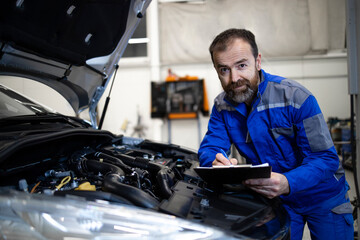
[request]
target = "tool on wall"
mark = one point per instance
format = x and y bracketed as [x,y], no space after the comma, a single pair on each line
[139,127]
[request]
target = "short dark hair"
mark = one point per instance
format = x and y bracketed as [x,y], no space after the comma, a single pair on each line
[221,41]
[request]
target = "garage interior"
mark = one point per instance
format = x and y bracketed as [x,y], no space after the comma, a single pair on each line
[311,41]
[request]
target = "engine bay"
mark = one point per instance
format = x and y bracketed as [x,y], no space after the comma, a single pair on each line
[97,165]
[91,161]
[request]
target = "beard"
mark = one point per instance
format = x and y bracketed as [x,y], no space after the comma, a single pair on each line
[240,96]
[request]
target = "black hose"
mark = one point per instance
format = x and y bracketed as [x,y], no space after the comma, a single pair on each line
[139,162]
[103,168]
[116,161]
[164,175]
[112,183]
[165,180]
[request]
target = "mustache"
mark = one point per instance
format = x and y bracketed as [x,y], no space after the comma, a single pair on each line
[238,83]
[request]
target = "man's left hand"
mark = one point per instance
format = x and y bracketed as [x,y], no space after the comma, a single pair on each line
[271,187]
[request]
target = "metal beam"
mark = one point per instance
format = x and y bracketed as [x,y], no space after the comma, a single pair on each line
[353,37]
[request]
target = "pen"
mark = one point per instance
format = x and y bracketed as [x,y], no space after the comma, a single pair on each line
[225,155]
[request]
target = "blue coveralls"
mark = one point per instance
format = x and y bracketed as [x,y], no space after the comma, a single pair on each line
[286,128]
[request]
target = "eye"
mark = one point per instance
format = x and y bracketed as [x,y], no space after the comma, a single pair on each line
[223,70]
[241,65]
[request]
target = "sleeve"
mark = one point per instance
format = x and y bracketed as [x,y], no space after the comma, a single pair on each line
[215,138]
[320,159]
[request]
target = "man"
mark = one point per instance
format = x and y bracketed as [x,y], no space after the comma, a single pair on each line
[275,120]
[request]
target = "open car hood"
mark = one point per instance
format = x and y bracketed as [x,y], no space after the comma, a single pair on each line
[71,46]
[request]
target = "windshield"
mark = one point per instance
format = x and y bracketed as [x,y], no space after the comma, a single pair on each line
[13,104]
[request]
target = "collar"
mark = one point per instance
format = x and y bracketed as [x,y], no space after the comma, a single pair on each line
[263,81]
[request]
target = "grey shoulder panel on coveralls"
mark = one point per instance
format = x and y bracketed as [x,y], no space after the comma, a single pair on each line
[286,93]
[220,103]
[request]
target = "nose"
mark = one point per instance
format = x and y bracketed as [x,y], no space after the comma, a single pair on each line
[235,75]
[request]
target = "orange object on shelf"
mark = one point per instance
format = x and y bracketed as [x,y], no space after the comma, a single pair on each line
[171,77]
[205,108]
[188,78]
[182,115]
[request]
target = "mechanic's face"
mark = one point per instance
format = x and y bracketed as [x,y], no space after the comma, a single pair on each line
[238,70]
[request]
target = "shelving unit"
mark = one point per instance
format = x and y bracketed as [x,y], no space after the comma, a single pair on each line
[179,100]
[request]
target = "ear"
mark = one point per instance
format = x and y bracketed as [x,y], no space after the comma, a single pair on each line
[258,62]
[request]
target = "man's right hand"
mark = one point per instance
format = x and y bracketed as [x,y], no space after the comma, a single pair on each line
[221,160]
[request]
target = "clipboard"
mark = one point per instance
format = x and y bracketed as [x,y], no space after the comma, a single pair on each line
[234,173]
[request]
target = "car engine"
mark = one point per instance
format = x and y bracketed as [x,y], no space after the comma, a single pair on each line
[97,165]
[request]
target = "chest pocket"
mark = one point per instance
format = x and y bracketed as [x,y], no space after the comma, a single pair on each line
[236,127]
[238,132]
[285,140]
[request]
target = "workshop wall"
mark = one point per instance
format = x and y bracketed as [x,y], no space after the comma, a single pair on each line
[130,99]
[281,27]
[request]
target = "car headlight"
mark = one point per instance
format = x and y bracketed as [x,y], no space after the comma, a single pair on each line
[29,216]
